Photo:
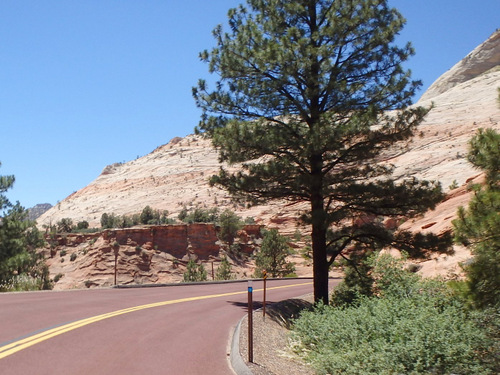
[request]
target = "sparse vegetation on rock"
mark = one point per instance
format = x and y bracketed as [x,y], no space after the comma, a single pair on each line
[229,224]
[199,215]
[65,225]
[224,270]
[195,272]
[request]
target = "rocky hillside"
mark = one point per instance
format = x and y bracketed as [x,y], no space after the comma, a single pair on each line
[142,255]
[175,175]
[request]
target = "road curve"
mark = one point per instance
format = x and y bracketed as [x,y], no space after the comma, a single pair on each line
[161,330]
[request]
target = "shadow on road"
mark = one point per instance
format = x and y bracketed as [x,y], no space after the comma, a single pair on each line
[244,305]
[283,312]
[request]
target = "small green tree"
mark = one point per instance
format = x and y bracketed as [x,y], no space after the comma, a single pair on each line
[229,224]
[82,225]
[65,225]
[195,272]
[272,256]
[224,270]
[147,215]
[478,227]
[164,219]
[107,221]
[183,214]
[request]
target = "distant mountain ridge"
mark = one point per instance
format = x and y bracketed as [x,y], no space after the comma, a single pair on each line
[38,210]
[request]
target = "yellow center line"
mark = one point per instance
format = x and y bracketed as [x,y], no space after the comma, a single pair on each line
[19,345]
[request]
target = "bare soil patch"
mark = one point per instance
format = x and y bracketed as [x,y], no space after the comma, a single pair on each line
[272,354]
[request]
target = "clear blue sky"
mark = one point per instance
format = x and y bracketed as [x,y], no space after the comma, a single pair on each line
[87,83]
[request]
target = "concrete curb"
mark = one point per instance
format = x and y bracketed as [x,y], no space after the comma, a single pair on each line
[237,363]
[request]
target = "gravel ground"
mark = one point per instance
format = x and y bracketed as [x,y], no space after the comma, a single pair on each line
[271,354]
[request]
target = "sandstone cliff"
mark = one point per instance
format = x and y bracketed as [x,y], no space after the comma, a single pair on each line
[143,255]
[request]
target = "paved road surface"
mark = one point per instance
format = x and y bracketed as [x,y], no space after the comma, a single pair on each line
[161,330]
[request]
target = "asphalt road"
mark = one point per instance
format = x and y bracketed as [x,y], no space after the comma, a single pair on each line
[161,330]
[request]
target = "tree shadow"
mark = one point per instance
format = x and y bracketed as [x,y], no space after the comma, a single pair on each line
[244,305]
[283,312]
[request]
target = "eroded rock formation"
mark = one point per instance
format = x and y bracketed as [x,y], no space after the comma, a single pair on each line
[149,254]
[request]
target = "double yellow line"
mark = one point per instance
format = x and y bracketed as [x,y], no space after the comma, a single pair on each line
[19,345]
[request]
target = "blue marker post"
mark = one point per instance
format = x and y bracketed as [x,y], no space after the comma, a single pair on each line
[250,322]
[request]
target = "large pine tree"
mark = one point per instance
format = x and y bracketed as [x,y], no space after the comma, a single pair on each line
[311,96]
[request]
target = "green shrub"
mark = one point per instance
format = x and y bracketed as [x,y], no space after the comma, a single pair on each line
[229,225]
[82,225]
[249,220]
[373,275]
[297,236]
[391,336]
[63,253]
[72,257]
[199,215]
[453,185]
[58,277]
[195,272]
[65,225]
[224,270]
[23,282]
[401,325]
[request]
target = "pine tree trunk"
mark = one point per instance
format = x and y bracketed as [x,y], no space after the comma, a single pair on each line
[320,263]
[319,228]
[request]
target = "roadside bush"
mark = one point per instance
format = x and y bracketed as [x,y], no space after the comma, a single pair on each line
[374,275]
[20,283]
[36,279]
[403,325]
[392,336]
